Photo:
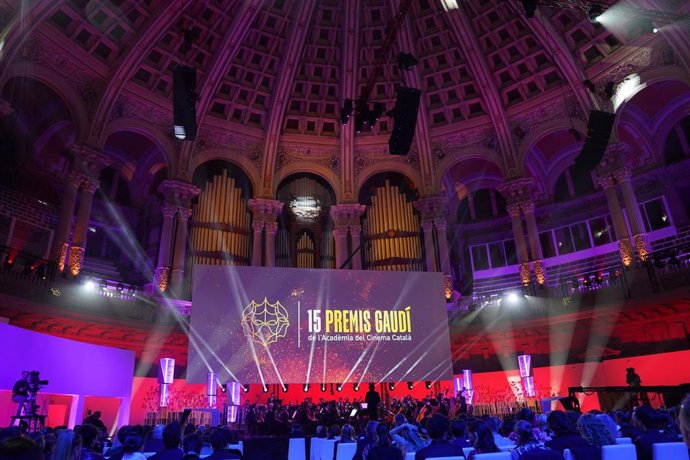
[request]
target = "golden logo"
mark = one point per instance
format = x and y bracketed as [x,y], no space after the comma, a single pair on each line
[265,322]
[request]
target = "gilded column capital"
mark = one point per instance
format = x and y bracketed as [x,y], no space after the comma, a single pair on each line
[340,232]
[606,181]
[89,160]
[433,208]
[527,207]
[271,228]
[169,210]
[178,192]
[623,174]
[513,209]
[347,214]
[184,213]
[258,226]
[427,226]
[90,185]
[264,209]
[516,190]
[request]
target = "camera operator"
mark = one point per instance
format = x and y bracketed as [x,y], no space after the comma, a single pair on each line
[20,393]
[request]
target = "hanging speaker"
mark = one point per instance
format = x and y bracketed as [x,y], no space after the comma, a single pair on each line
[184,102]
[599,129]
[404,120]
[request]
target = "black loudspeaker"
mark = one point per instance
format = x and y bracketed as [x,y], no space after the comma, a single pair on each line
[598,132]
[184,102]
[570,403]
[404,120]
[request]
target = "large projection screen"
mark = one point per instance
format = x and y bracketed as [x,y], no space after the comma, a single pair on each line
[283,325]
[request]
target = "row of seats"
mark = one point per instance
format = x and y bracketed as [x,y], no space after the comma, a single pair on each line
[323,449]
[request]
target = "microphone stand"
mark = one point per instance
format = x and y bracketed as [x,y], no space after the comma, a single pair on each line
[354,253]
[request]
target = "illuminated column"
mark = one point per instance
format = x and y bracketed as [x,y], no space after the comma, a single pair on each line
[162,275]
[468,384]
[340,235]
[619,228]
[356,233]
[234,401]
[183,215]
[624,178]
[166,375]
[271,230]
[525,364]
[257,229]
[520,243]
[534,243]
[211,389]
[443,252]
[76,252]
[428,228]
[61,240]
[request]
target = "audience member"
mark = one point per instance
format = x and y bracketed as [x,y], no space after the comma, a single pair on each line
[155,443]
[526,441]
[500,441]
[115,451]
[132,446]
[646,419]
[219,443]
[482,438]
[458,431]
[408,438]
[610,424]
[89,436]
[19,448]
[191,445]
[564,437]
[366,441]
[67,446]
[437,427]
[684,421]
[594,431]
[172,435]
[383,449]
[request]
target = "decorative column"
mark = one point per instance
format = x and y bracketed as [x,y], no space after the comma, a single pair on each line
[61,240]
[180,252]
[517,193]
[443,251]
[271,230]
[624,178]
[162,274]
[346,219]
[428,228]
[178,195]
[257,238]
[265,213]
[534,243]
[520,243]
[76,252]
[340,235]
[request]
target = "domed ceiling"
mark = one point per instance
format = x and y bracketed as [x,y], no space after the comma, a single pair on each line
[272,77]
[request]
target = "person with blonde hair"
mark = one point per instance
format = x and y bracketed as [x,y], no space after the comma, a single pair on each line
[684,421]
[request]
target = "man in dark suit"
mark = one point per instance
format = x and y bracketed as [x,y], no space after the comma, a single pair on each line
[647,420]
[172,435]
[219,443]
[437,427]
[565,438]
[372,399]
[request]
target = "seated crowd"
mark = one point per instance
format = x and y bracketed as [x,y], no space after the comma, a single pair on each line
[526,435]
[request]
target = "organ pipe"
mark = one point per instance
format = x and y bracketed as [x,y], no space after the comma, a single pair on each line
[220,224]
[392,227]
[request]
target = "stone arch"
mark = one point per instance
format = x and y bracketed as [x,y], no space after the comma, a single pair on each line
[552,126]
[239,160]
[321,171]
[147,130]
[388,166]
[56,83]
[466,153]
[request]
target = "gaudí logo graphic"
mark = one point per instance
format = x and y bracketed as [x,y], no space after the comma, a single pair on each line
[265,322]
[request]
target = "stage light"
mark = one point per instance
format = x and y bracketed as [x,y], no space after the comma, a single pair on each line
[427,384]
[285,388]
[391,386]
[355,386]
[530,7]
[323,387]
[655,30]
[593,13]
[224,388]
[410,385]
[90,285]
[245,388]
[512,298]
[265,390]
[9,263]
[306,387]
[339,387]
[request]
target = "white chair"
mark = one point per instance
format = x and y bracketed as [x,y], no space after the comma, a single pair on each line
[239,446]
[670,450]
[467,450]
[327,449]
[149,454]
[619,452]
[297,449]
[410,455]
[346,450]
[455,457]
[567,455]
[494,456]
[623,441]
[315,448]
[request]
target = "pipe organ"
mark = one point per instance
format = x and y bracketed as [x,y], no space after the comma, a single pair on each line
[283,248]
[305,251]
[391,232]
[327,249]
[220,226]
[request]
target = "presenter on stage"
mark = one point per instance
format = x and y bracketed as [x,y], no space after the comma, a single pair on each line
[372,399]
[20,393]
